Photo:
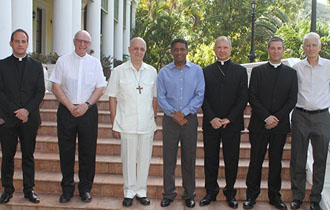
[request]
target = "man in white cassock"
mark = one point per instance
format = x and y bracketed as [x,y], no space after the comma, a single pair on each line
[133,106]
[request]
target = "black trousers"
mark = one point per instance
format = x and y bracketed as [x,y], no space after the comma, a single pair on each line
[9,139]
[259,142]
[231,145]
[68,127]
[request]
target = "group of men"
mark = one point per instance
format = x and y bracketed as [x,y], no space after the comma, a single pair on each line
[181,88]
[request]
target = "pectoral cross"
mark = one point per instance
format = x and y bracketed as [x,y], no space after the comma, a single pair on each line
[139,88]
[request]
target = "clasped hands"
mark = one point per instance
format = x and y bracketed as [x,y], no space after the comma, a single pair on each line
[22,114]
[179,118]
[78,110]
[218,123]
[271,122]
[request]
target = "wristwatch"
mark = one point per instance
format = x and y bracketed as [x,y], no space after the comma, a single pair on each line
[88,104]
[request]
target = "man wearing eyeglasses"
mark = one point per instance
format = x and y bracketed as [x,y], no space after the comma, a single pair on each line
[78,83]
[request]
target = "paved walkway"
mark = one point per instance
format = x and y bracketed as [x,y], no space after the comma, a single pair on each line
[49,202]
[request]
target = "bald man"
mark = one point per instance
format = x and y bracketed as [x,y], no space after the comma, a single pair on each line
[78,83]
[133,106]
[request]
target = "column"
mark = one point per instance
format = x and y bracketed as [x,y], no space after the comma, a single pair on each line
[22,18]
[76,16]
[119,32]
[94,26]
[5,28]
[62,27]
[134,6]
[108,30]
[127,31]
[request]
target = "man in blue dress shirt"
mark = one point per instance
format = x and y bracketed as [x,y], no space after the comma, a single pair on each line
[180,93]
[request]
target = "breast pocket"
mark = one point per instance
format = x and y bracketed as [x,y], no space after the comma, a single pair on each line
[127,88]
[147,86]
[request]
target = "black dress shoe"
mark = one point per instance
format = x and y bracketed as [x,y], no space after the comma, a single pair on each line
[5,197]
[315,206]
[278,204]
[86,197]
[143,200]
[248,204]
[64,198]
[165,202]
[295,204]
[127,201]
[207,200]
[32,196]
[190,203]
[232,203]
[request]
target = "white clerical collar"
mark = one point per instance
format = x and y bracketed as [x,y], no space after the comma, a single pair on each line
[223,62]
[20,58]
[275,65]
[78,56]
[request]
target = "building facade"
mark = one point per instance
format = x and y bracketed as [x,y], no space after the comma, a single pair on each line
[51,25]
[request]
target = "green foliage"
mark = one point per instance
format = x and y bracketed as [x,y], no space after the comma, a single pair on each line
[200,22]
[293,34]
[45,59]
[203,55]
[158,23]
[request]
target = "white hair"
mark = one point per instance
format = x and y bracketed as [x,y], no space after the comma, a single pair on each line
[312,35]
[223,38]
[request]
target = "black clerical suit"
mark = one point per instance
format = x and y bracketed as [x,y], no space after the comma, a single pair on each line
[272,91]
[21,86]
[226,96]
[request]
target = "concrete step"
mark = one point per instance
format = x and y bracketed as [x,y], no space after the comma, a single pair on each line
[104,131]
[104,117]
[112,185]
[50,102]
[111,164]
[50,202]
[109,146]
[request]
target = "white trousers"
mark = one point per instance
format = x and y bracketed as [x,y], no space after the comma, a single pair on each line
[136,152]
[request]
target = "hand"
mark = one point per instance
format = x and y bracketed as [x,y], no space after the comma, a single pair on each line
[72,109]
[225,122]
[116,134]
[2,121]
[178,116]
[183,122]
[80,110]
[216,123]
[22,114]
[271,122]
[268,127]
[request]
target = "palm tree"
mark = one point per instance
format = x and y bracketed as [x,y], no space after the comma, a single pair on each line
[270,22]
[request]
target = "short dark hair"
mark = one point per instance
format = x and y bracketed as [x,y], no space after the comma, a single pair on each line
[179,40]
[16,31]
[275,39]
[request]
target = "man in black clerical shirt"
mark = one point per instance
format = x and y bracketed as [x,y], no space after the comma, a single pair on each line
[272,95]
[226,95]
[22,89]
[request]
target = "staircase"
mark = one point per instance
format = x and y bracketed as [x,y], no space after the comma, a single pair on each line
[108,184]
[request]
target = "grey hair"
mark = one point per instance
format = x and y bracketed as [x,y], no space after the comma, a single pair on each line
[312,35]
[223,38]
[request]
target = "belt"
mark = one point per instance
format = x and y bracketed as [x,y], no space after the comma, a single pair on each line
[312,111]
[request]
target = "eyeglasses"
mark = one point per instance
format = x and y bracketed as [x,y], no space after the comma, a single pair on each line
[79,41]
